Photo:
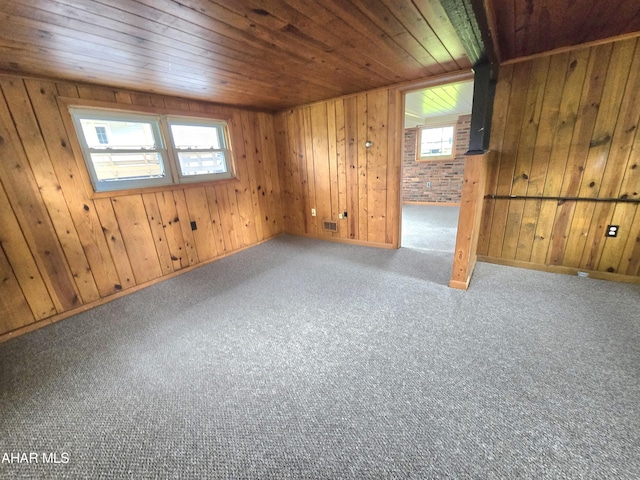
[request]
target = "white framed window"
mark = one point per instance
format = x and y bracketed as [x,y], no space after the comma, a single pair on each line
[201,148]
[125,150]
[437,142]
[122,150]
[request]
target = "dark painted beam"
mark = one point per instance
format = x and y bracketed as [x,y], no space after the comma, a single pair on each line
[464,21]
[484,92]
[470,23]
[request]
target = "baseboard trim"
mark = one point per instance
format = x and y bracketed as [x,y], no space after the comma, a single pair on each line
[351,241]
[438,204]
[88,306]
[614,277]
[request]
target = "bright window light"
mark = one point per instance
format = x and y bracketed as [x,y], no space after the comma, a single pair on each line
[437,142]
[125,150]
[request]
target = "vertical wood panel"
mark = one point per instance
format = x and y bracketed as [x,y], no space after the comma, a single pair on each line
[599,145]
[243,188]
[507,156]
[155,223]
[377,134]
[342,168]
[321,171]
[58,143]
[112,234]
[182,220]
[522,172]
[285,169]
[49,187]
[500,111]
[136,233]
[198,207]
[572,86]
[361,138]
[351,133]
[586,145]
[227,223]
[541,154]
[253,156]
[322,152]
[178,250]
[23,264]
[561,249]
[334,177]
[622,132]
[306,143]
[270,166]
[216,223]
[13,304]
[295,156]
[33,217]
[394,156]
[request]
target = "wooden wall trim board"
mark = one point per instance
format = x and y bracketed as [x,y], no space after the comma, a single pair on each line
[349,241]
[63,248]
[469,221]
[593,274]
[571,48]
[21,330]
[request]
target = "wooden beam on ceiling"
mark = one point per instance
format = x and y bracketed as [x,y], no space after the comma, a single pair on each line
[469,19]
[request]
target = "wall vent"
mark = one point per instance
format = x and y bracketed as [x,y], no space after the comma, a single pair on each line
[330,226]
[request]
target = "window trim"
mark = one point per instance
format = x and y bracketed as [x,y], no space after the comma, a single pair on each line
[436,158]
[219,114]
[100,186]
[195,121]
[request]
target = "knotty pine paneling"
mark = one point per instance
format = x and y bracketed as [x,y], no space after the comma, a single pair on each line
[567,125]
[532,27]
[61,249]
[297,52]
[324,165]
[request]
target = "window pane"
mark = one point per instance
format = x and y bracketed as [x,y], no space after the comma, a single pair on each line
[127,166]
[117,134]
[437,141]
[101,132]
[196,137]
[202,163]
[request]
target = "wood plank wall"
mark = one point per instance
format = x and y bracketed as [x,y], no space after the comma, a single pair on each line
[324,164]
[62,251]
[567,125]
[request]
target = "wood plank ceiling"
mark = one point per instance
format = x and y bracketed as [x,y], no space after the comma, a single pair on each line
[533,26]
[268,54]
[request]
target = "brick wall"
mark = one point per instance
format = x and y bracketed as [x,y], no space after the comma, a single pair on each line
[445,175]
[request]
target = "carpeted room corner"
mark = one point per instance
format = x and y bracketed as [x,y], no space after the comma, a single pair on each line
[305,359]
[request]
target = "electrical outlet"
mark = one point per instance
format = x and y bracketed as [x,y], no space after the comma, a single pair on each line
[340,215]
[313,212]
[428,184]
[612,230]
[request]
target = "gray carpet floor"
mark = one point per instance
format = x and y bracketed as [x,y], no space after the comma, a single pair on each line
[302,359]
[430,227]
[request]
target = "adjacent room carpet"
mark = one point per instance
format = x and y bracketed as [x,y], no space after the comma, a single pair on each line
[302,359]
[430,227]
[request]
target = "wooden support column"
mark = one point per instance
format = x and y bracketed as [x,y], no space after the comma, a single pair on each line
[471,203]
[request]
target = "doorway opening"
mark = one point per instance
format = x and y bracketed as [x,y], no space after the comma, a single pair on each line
[437,122]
